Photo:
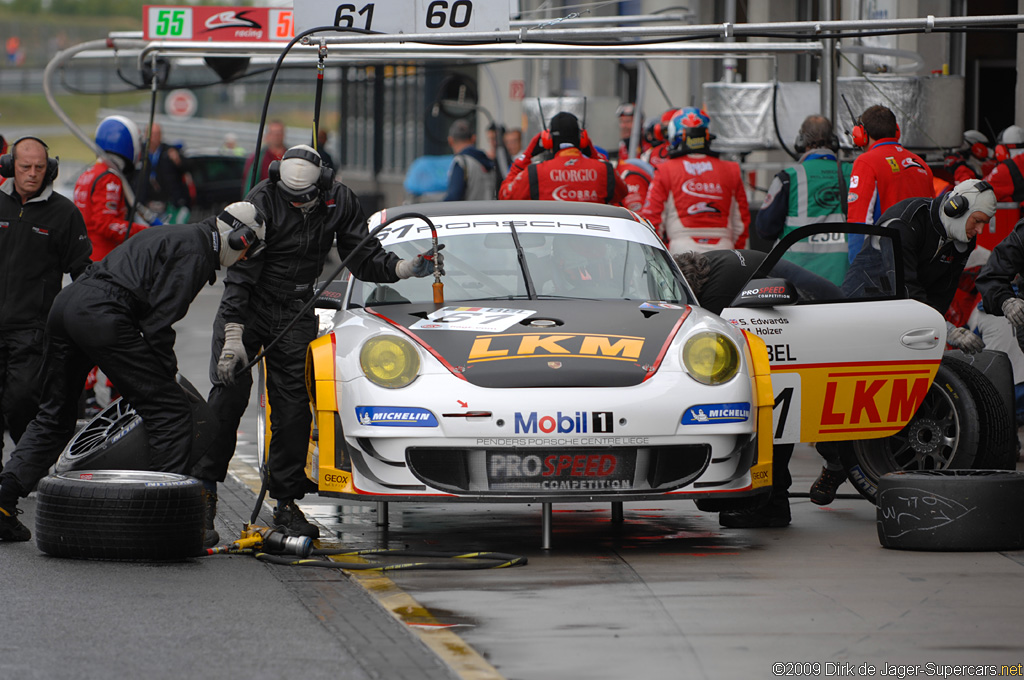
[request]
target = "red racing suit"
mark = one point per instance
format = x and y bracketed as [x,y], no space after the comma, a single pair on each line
[1007,180]
[697,202]
[100,197]
[569,176]
[883,176]
[637,175]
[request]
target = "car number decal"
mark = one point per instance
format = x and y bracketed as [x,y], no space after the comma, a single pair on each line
[475,319]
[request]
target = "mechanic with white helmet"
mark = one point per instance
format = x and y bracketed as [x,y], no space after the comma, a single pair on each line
[937,236]
[306,211]
[119,315]
[971,160]
[99,191]
[697,201]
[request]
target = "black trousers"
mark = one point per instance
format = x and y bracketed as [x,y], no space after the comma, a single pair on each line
[93,324]
[21,359]
[290,417]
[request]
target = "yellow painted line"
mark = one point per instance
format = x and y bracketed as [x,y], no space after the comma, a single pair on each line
[465,661]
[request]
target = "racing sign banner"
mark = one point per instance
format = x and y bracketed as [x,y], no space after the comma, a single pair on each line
[217,24]
[393,16]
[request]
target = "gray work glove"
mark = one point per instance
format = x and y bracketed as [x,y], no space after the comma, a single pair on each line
[961,338]
[1013,310]
[232,355]
[421,265]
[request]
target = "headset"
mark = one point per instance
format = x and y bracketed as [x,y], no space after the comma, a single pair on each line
[548,142]
[1002,150]
[324,180]
[860,135]
[800,144]
[7,161]
[242,235]
[958,205]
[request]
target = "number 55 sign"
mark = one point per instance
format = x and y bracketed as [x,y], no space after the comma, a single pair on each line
[393,16]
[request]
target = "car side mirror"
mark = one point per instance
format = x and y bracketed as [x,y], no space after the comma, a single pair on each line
[766,293]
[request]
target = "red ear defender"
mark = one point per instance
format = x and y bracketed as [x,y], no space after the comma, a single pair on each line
[897,132]
[545,139]
[584,139]
[860,136]
[1003,151]
[979,151]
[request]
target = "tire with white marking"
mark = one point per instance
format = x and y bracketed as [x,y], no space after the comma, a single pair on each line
[951,510]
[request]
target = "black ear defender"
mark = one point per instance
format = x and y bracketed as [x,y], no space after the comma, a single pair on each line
[242,235]
[7,161]
[954,206]
[324,180]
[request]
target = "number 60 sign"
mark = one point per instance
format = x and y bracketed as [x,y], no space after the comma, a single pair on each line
[393,16]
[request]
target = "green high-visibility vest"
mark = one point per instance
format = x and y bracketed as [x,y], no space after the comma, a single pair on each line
[815,196]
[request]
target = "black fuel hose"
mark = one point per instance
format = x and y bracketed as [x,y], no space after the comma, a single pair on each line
[265,479]
[456,561]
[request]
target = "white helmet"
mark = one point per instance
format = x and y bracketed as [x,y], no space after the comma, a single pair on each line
[242,232]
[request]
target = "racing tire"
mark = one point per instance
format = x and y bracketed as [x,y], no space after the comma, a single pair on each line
[951,510]
[116,438]
[944,433]
[120,515]
[997,449]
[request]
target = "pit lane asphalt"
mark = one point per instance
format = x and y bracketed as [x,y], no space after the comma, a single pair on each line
[665,594]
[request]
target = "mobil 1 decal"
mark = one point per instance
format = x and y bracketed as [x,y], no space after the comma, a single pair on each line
[564,422]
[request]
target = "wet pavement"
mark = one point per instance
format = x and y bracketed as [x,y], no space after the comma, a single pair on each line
[666,593]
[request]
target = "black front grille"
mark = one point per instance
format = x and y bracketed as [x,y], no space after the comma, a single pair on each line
[530,471]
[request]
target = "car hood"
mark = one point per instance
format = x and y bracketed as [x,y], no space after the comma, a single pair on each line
[544,343]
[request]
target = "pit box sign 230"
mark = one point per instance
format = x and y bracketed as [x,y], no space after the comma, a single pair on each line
[217,24]
[394,16]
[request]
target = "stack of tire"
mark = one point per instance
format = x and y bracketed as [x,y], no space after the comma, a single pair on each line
[103,502]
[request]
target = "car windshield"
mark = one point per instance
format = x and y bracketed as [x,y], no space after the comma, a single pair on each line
[486,266]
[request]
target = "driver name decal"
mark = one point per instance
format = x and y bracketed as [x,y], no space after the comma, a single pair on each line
[545,345]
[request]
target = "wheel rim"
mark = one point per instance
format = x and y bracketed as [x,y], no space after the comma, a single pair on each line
[127,476]
[105,425]
[929,441]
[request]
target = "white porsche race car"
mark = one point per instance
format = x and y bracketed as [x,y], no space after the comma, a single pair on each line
[568,361]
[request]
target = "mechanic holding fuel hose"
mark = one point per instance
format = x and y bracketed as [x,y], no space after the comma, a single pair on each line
[307,211]
[118,314]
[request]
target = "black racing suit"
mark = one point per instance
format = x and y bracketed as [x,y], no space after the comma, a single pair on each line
[995,282]
[118,315]
[932,262]
[264,294]
[39,242]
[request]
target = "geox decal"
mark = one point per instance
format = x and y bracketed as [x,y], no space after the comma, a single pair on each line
[393,416]
[564,423]
[714,414]
[522,345]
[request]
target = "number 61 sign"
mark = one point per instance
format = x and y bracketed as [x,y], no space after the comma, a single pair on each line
[393,16]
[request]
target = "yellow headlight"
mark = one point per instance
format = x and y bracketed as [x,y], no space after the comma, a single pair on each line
[389,361]
[711,358]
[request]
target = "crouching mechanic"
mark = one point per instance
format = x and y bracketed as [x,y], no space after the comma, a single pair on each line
[576,173]
[937,235]
[306,212]
[118,315]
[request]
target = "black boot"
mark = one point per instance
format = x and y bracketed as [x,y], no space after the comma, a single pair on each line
[210,535]
[774,513]
[289,517]
[823,491]
[11,528]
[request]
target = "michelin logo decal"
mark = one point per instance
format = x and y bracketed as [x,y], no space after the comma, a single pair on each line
[390,416]
[707,414]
